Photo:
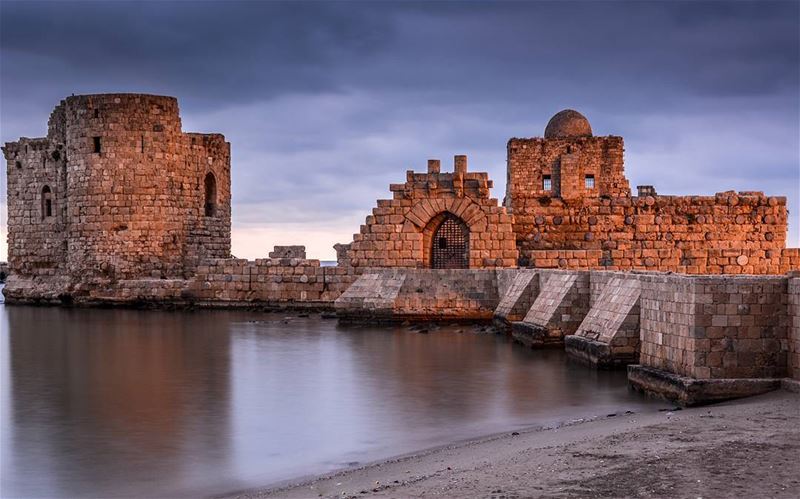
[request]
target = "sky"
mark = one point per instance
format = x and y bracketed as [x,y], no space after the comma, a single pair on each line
[327,103]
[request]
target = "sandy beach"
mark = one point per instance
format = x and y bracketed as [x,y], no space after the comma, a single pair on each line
[745,448]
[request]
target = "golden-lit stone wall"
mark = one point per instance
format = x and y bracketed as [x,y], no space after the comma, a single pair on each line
[573,209]
[399,233]
[128,191]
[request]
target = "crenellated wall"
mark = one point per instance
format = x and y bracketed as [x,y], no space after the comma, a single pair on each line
[401,232]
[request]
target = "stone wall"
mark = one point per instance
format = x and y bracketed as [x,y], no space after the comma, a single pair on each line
[715,327]
[729,233]
[573,209]
[37,242]
[608,336]
[228,282]
[558,309]
[794,325]
[285,280]
[421,294]
[126,191]
[517,293]
[401,231]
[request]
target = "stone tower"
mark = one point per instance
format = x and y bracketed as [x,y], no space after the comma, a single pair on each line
[117,191]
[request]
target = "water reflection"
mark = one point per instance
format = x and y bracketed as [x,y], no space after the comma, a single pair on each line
[132,403]
[113,397]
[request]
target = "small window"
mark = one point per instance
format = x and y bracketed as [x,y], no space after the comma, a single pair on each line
[589,181]
[47,202]
[547,184]
[211,195]
[19,164]
[97,145]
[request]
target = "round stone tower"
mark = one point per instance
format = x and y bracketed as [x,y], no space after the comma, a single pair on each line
[143,199]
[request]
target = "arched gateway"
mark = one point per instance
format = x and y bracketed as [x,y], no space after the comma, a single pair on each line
[449,244]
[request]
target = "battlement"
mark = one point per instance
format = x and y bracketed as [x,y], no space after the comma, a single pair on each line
[459,183]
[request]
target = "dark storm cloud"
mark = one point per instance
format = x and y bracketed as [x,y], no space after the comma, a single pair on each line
[326,102]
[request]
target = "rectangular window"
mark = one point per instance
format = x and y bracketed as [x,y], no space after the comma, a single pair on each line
[589,181]
[97,146]
[48,208]
[546,183]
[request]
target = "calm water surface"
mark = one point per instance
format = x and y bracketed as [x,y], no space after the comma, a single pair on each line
[108,403]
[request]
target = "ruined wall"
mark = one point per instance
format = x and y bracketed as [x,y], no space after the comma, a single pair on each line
[283,280]
[127,188]
[567,162]
[587,218]
[223,282]
[731,233]
[37,238]
[400,231]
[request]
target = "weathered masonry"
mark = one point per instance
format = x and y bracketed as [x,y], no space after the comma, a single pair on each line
[117,190]
[573,209]
[116,205]
[437,220]
[695,339]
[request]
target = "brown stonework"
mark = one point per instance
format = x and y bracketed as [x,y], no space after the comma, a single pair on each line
[573,208]
[117,190]
[402,232]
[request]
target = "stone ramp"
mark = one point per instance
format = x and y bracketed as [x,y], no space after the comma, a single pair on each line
[609,334]
[420,294]
[517,294]
[373,294]
[558,310]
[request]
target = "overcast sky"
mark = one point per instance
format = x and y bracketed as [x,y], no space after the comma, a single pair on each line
[327,103]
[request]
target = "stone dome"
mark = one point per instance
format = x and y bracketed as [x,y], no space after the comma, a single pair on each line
[567,123]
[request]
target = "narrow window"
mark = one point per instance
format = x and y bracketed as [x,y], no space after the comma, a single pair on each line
[546,183]
[47,202]
[19,164]
[211,195]
[588,181]
[97,145]
[96,113]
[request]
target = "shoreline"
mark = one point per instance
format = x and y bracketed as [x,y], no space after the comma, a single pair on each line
[746,447]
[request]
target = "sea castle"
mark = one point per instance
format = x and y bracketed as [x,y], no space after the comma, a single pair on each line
[698,295]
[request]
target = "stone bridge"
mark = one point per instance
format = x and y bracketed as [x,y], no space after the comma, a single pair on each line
[695,339]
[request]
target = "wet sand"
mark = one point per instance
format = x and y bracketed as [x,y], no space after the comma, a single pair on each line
[744,448]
